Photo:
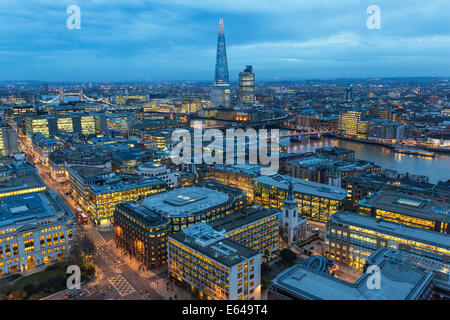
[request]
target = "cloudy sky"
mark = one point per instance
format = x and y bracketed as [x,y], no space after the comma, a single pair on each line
[124,40]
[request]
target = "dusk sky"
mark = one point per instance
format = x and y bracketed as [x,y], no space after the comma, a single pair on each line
[134,40]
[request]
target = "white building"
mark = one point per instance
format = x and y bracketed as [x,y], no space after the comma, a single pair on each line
[35,229]
[291,225]
[154,169]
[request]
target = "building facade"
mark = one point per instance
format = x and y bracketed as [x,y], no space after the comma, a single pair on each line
[213,266]
[142,233]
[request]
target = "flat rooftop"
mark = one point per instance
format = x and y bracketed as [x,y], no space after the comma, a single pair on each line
[241,218]
[303,186]
[185,201]
[125,185]
[29,181]
[434,238]
[398,282]
[37,205]
[204,239]
[408,205]
[146,216]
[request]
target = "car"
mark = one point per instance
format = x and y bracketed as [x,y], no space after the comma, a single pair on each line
[315,229]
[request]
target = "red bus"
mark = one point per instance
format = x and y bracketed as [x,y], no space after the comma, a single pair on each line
[82,217]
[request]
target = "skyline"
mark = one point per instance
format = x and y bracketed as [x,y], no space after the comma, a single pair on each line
[176,40]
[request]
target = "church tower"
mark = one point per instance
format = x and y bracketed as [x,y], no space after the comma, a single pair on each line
[290,222]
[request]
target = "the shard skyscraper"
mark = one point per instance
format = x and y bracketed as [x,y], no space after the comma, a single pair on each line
[220,91]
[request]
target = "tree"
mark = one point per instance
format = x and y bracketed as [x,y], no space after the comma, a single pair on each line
[288,256]
[87,246]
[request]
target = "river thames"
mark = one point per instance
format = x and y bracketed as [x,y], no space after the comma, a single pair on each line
[437,168]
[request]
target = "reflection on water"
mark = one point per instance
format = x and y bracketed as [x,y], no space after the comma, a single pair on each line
[437,168]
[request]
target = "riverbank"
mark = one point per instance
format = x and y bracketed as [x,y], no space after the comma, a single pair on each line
[391,146]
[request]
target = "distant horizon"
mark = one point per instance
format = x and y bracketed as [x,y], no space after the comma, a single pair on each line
[235,81]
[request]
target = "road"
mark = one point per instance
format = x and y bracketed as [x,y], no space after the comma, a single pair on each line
[117,276]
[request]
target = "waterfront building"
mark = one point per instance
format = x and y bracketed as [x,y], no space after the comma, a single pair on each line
[142,233]
[213,266]
[350,238]
[220,91]
[102,199]
[49,125]
[255,227]
[407,209]
[316,201]
[385,130]
[335,153]
[400,280]
[204,202]
[353,124]
[35,229]
[247,86]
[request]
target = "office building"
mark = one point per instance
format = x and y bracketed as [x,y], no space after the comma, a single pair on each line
[212,266]
[190,205]
[35,229]
[407,209]
[385,130]
[102,199]
[220,91]
[350,238]
[247,86]
[256,228]
[49,125]
[353,124]
[157,170]
[142,233]
[399,279]
[316,201]
[8,139]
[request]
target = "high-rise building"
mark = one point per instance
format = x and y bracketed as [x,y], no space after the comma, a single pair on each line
[8,139]
[349,93]
[220,91]
[352,123]
[247,86]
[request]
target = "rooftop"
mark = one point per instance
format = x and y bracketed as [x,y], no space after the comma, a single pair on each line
[37,205]
[185,201]
[203,238]
[146,216]
[238,219]
[399,282]
[408,205]
[122,185]
[438,239]
[17,183]
[303,186]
